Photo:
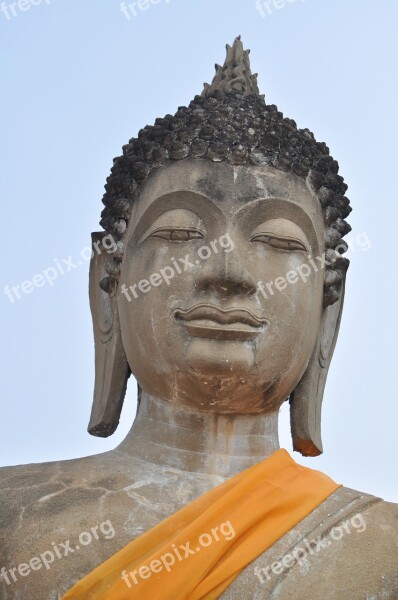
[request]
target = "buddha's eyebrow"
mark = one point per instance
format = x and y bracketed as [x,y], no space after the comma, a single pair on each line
[272,201]
[261,209]
[179,199]
[268,206]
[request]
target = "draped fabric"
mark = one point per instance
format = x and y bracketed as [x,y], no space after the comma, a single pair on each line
[197,552]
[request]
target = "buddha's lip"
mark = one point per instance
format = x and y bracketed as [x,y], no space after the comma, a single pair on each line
[219,315]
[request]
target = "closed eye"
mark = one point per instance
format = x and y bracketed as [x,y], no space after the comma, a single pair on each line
[178,234]
[279,242]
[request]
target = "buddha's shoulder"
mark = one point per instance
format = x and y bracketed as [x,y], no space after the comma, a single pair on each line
[40,498]
[346,548]
[349,511]
[355,548]
[82,509]
[27,484]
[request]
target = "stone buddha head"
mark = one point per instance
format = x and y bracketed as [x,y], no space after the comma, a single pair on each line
[226,289]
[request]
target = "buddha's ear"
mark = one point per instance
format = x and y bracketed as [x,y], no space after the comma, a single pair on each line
[111,368]
[306,399]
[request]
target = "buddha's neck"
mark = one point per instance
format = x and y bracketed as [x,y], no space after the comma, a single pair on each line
[164,434]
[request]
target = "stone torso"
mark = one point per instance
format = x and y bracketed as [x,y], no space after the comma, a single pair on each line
[101,503]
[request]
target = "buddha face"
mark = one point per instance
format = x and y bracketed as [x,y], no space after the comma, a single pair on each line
[217,311]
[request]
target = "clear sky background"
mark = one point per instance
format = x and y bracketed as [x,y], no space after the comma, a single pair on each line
[78,80]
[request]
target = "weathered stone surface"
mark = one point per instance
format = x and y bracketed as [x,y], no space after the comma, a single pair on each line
[233,198]
[362,564]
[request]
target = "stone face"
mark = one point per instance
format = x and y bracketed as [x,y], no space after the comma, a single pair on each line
[230,122]
[223,297]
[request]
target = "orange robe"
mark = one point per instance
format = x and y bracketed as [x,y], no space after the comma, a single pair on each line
[197,552]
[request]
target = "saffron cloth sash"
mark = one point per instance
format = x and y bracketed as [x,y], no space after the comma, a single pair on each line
[258,506]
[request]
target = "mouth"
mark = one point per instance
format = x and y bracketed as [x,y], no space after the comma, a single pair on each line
[210,321]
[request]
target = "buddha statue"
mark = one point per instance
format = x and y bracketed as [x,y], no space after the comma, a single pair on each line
[223,298]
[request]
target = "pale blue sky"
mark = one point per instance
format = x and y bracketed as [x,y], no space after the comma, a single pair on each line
[80,79]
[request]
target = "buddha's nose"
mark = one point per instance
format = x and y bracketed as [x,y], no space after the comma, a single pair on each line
[226,274]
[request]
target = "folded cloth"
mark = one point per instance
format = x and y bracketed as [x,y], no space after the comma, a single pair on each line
[197,552]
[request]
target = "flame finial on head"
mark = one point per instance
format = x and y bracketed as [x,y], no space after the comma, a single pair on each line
[235,75]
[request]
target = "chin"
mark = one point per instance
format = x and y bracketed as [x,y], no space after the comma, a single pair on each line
[211,390]
[215,358]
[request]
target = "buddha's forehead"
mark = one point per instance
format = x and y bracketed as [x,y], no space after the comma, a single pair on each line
[228,186]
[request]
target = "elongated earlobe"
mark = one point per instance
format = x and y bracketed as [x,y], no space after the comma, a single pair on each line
[306,399]
[111,368]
